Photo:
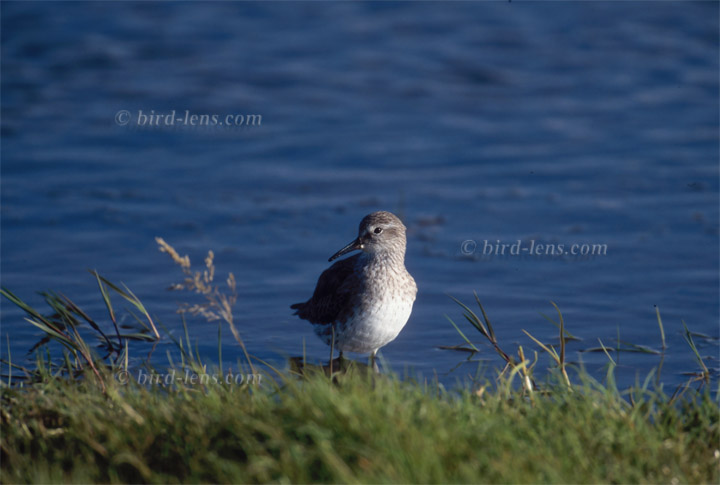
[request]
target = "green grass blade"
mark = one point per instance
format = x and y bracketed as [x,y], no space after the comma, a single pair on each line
[568,335]
[562,335]
[551,350]
[24,306]
[108,302]
[602,346]
[220,362]
[472,318]
[662,330]
[691,343]
[134,300]
[485,317]
[462,334]
[7,337]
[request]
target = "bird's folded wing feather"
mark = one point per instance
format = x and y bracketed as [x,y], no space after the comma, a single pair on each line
[332,300]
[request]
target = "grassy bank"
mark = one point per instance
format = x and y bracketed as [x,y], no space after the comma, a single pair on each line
[359,429]
[88,411]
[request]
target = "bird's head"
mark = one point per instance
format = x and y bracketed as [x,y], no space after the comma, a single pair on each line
[378,232]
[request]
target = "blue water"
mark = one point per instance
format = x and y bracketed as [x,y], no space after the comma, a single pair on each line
[559,123]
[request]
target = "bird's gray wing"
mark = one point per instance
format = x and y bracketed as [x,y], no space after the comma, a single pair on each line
[332,300]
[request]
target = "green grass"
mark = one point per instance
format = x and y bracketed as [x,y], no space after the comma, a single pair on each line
[76,417]
[359,428]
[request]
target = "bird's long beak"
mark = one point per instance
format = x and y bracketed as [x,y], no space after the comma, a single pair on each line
[356,244]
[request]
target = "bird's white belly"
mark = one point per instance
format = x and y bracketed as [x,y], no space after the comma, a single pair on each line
[376,325]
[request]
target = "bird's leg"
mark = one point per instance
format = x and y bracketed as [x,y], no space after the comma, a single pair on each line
[373,362]
[332,349]
[339,362]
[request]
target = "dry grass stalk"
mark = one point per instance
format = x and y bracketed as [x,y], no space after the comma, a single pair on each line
[218,305]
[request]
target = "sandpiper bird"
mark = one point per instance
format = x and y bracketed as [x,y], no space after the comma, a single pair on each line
[364,301]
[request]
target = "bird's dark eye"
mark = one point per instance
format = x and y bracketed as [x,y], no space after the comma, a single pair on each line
[378,230]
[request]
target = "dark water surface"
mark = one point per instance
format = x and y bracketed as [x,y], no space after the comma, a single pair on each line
[559,123]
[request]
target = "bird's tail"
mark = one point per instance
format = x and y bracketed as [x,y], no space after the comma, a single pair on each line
[297,307]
